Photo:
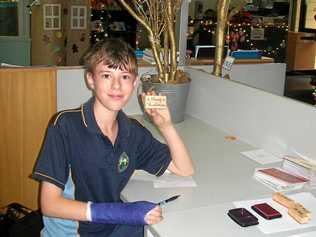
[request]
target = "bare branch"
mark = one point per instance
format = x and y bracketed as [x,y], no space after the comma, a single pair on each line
[158,16]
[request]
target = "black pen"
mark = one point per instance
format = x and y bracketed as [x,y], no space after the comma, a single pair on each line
[168,200]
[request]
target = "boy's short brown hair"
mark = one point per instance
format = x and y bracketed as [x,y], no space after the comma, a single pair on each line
[113,52]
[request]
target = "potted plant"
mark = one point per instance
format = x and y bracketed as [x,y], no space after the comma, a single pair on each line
[158,18]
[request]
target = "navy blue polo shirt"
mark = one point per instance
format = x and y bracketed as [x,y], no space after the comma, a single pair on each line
[79,159]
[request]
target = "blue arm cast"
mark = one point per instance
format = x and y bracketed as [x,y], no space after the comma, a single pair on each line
[131,213]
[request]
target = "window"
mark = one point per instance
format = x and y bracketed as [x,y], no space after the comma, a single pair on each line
[9,18]
[78,17]
[52,16]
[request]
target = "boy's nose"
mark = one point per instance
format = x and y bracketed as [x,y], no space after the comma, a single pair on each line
[116,84]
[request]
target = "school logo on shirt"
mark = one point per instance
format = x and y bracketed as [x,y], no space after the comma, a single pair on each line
[123,162]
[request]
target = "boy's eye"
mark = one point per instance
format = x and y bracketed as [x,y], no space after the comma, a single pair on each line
[105,76]
[126,77]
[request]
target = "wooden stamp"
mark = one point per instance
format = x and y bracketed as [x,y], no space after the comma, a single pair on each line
[155,102]
[296,210]
[303,210]
[283,200]
[299,215]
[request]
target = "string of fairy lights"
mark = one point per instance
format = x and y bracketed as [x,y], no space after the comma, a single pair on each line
[239,35]
[99,27]
[109,23]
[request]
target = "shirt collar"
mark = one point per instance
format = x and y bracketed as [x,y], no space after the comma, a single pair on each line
[91,123]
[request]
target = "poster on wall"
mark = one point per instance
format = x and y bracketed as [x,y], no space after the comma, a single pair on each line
[310,16]
[257,33]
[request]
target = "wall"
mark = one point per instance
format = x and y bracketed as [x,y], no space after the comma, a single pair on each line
[269,77]
[63,46]
[15,50]
[78,40]
[47,45]
[277,124]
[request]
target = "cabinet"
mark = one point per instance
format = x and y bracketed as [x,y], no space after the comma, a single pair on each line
[301,51]
[27,103]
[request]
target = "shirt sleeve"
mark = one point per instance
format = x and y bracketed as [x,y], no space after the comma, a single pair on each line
[153,156]
[52,165]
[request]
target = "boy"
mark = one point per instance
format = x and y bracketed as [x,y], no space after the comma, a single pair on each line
[90,153]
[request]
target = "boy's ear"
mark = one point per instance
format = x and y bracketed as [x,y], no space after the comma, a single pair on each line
[136,81]
[90,80]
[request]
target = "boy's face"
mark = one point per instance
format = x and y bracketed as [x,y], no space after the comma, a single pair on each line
[112,87]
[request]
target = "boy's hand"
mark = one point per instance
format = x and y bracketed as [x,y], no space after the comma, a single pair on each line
[154,216]
[161,117]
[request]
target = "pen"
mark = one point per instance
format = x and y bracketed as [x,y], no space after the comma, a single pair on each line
[168,200]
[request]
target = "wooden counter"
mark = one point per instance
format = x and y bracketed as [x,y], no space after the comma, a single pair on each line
[27,102]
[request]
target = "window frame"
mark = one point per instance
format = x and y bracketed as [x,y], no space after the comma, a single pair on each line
[78,17]
[52,17]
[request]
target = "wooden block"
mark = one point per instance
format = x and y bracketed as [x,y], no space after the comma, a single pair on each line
[155,102]
[299,215]
[303,210]
[283,200]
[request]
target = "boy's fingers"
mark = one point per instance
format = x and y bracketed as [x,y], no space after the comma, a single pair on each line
[154,216]
[155,220]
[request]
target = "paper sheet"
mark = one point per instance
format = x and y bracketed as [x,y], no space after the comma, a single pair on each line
[172,181]
[167,180]
[261,156]
[143,176]
[285,223]
[307,234]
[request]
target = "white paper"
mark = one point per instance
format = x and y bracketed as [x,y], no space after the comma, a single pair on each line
[307,234]
[143,176]
[172,181]
[261,156]
[286,222]
[167,180]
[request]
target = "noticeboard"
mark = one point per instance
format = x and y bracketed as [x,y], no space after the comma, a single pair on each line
[308,16]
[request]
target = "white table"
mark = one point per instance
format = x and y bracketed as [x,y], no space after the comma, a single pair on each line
[222,174]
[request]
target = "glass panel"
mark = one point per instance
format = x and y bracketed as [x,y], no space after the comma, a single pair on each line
[56,23]
[9,19]
[75,22]
[48,23]
[82,10]
[81,24]
[56,10]
[48,10]
[75,11]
